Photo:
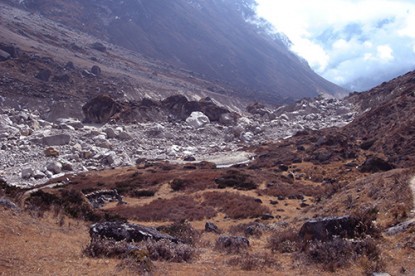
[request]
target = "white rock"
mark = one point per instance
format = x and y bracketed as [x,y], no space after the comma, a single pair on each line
[38,174]
[247,136]
[74,123]
[285,117]
[244,121]
[197,119]
[54,167]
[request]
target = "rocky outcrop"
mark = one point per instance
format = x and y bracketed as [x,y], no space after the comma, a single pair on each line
[99,110]
[99,198]
[375,164]
[325,229]
[129,232]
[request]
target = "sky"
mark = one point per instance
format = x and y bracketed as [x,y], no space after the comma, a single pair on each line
[356,44]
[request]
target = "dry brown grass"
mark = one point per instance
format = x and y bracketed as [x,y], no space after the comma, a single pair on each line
[174,209]
[234,205]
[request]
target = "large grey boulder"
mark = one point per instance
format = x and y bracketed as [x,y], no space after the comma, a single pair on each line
[57,140]
[119,231]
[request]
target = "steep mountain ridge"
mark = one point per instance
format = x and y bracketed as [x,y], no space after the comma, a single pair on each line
[211,38]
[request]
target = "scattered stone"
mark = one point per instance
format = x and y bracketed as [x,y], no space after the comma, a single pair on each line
[57,140]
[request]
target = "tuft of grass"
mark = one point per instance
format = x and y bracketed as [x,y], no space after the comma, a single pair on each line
[252,262]
[183,231]
[285,241]
[164,250]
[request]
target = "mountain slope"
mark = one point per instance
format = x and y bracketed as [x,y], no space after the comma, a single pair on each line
[211,38]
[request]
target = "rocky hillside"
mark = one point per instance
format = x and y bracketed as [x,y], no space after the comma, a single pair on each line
[290,190]
[210,38]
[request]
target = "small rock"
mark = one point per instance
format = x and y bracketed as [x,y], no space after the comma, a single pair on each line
[4,55]
[211,227]
[51,152]
[38,175]
[8,204]
[54,167]
[44,75]
[98,46]
[267,216]
[27,173]
[57,140]
[111,134]
[123,135]
[96,70]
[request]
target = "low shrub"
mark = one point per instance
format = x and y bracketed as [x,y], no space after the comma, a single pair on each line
[285,241]
[232,245]
[254,229]
[164,250]
[236,179]
[183,231]
[142,193]
[71,202]
[174,209]
[180,184]
[340,253]
[133,257]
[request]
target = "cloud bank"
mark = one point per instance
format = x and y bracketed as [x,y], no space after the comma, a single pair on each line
[354,43]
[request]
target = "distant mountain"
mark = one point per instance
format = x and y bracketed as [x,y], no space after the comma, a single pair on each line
[215,39]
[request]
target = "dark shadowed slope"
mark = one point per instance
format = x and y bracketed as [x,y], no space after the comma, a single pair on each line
[211,38]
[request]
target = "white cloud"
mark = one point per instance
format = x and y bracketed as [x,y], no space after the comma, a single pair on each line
[353,43]
[385,52]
